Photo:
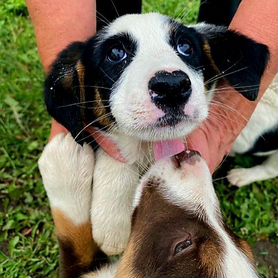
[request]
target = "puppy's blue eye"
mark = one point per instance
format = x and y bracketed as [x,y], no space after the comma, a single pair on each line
[184,48]
[116,54]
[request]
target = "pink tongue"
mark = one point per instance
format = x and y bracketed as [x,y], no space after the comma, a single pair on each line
[167,148]
[161,149]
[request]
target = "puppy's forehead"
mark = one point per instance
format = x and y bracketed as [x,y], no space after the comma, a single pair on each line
[140,26]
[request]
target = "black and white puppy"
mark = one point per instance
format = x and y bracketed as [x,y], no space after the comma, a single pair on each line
[143,78]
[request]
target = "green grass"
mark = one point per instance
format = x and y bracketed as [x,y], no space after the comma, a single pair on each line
[28,247]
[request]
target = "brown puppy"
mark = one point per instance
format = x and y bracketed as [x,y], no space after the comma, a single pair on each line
[177,228]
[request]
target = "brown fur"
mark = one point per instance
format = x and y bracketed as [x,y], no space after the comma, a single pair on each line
[247,250]
[210,257]
[125,269]
[242,244]
[100,110]
[78,251]
[80,69]
[79,236]
[207,51]
[153,234]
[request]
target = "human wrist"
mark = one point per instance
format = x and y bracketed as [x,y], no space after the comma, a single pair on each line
[57,24]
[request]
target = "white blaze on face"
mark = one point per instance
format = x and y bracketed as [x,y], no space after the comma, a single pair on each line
[130,100]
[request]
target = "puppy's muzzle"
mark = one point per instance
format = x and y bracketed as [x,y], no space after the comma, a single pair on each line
[187,156]
[170,89]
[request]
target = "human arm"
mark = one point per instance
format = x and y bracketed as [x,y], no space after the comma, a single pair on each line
[57,24]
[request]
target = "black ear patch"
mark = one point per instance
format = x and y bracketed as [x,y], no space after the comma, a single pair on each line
[62,88]
[237,58]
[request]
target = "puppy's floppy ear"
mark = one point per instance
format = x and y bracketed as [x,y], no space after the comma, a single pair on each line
[239,59]
[62,87]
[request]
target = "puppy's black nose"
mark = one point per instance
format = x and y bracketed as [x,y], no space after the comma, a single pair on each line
[170,89]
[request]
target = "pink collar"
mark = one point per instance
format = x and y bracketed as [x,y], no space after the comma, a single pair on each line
[161,149]
[107,144]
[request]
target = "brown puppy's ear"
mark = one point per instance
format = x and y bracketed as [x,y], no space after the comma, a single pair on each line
[235,57]
[62,87]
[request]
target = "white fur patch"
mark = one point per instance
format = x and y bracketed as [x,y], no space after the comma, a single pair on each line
[264,118]
[244,176]
[107,271]
[114,187]
[67,172]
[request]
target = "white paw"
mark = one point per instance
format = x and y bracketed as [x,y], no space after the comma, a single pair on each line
[111,209]
[241,176]
[112,236]
[67,171]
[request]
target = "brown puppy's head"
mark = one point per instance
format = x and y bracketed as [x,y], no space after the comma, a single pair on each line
[177,227]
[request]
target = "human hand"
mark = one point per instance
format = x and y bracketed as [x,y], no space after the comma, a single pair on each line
[229,111]
[228,115]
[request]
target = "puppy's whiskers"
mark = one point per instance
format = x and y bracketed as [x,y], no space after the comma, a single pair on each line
[92,86]
[223,73]
[102,18]
[228,107]
[115,8]
[108,129]
[100,129]
[82,102]
[107,75]
[91,123]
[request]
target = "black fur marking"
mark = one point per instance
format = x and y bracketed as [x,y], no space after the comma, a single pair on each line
[266,142]
[218,51]
[59,93]
[239,59]
[218,12]
[71,267]
[107,11]
[196,60]
[63,97]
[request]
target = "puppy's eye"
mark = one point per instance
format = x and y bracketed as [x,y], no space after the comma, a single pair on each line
[184,48]
[182,246]
[116,54]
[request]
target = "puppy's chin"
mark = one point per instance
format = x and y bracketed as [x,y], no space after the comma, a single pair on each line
[162,130]
[187,169]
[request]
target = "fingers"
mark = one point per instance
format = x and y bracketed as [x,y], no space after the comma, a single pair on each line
[206,141]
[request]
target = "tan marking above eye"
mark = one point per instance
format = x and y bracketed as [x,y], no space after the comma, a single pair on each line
[207,50]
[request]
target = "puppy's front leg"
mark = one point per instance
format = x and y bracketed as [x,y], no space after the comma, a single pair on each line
[67,171]
[114,188]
